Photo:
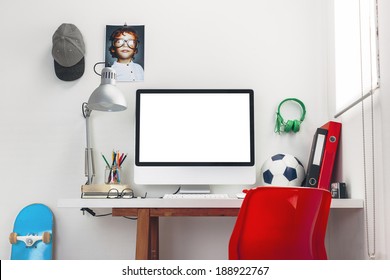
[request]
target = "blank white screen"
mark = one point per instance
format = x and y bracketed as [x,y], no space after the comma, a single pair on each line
[194,128]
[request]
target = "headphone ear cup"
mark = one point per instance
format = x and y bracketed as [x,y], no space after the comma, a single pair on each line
[296,126]
[289,126]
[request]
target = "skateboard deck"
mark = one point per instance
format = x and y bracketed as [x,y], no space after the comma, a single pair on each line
[31,238]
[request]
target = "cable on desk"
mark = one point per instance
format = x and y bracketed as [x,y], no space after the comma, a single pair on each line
[174,192]
[88,210]
[92,213]
[130,218]
[103,215]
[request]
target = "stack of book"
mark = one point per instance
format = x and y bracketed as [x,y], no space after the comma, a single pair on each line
[106,191]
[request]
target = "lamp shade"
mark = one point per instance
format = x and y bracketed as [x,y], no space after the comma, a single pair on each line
[107,97]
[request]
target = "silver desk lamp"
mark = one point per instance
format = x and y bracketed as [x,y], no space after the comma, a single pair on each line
[108,98]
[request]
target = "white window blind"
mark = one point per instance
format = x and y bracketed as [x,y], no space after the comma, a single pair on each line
[356,52]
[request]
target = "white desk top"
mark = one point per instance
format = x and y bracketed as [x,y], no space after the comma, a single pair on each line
[177,203]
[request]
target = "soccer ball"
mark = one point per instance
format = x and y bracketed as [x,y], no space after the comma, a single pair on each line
[283,170]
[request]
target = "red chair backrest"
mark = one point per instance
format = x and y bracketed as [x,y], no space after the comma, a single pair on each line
[281,223]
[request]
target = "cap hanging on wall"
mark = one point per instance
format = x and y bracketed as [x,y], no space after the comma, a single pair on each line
[68,52]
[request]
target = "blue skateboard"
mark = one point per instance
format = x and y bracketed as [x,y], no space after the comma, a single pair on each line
[32,235]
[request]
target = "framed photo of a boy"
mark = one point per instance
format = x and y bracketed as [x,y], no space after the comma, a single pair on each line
[125,51]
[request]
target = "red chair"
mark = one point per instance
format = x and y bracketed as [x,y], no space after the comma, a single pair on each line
[281,223]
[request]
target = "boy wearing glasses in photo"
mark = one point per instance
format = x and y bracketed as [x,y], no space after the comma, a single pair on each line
[124,45]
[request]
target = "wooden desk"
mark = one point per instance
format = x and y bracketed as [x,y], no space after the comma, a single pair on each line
[149,210]
[148,224]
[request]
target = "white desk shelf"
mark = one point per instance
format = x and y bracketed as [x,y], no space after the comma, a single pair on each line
[177,203]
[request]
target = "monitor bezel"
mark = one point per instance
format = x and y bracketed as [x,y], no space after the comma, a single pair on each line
[141,92]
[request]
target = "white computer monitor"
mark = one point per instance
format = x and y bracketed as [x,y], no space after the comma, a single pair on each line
[194,138]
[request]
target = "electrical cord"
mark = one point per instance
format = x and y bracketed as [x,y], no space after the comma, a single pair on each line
[173,192]
[130,218]
[94,67]
[92,213]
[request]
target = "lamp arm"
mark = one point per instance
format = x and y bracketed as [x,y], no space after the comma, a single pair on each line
[89,162]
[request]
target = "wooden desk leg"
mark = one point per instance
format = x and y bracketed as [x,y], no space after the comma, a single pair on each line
[154,239]
[143,235]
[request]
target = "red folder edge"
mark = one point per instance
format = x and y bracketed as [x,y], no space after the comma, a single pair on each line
[330,152]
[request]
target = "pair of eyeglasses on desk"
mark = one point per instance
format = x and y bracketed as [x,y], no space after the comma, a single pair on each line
[125,193]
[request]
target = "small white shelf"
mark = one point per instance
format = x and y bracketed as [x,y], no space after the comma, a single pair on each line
[178,203]
[347,203]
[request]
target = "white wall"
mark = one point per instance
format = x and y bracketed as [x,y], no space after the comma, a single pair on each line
[278,48]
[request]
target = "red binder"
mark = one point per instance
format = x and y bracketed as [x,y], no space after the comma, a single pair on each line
[329,155]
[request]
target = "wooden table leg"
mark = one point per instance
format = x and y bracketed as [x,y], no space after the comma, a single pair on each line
[143,235]
[154,239]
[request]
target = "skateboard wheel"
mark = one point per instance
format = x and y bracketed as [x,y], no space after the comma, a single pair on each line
[46,237]
[13,237]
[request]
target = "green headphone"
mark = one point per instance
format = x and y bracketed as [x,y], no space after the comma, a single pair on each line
[290,125]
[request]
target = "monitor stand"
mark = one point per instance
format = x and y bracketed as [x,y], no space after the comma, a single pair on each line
[194,189]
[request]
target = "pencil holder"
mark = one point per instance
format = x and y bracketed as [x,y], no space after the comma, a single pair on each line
[112,175]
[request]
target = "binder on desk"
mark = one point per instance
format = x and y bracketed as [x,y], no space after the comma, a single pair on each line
[315,159]
[330,152]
